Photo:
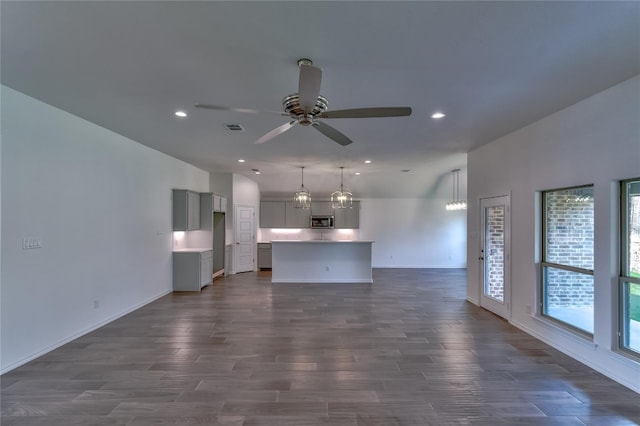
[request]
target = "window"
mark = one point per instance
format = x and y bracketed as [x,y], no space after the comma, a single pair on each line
[630,267]
[567,257]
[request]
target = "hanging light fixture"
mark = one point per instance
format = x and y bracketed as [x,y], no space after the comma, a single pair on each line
[342,198]
[302,197]
[456,204]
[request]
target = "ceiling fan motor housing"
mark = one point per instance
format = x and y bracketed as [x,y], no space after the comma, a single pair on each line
[291,105]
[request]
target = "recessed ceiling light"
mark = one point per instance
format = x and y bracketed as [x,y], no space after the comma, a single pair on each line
[255,171]
[406,171]
[241,160]
[438,115]
[181,114]
[357,173]
[367,161]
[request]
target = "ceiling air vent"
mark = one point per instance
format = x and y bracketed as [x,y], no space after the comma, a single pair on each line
[234,127]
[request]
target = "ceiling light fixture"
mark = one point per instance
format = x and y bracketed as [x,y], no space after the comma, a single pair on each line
[302,197]
[255,171]
[367,161]
[438,115]
[456,204]
[241,160]
[181,114]
[342,198]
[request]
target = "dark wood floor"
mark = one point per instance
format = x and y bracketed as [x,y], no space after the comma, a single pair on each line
[407,350]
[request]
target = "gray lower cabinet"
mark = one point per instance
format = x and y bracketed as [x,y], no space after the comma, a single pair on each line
[264,255]
[192,269]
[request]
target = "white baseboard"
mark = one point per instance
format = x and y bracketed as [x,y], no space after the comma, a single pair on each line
[80,333]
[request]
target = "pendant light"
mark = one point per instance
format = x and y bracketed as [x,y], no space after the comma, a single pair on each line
[343,198]
[302,197]
[456,203]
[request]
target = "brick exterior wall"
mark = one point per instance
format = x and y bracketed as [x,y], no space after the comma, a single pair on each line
[494,252]
[569,241]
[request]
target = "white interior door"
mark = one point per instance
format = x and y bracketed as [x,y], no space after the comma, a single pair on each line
[244,233]
[495,255]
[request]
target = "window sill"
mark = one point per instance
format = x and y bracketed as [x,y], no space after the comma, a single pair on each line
[579,336]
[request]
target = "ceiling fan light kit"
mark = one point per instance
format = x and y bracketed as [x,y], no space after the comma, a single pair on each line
[308,107]
[456,203]
[342,198]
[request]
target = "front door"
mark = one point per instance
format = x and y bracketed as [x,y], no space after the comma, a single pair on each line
[495,255]
[244,225]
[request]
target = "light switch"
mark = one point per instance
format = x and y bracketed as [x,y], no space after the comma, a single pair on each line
[31,243]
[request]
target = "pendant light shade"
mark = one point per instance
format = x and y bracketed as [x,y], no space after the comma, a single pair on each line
[343,198]
[456,203]
[302,197]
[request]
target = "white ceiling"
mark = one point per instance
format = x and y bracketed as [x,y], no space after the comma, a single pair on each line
[492,67]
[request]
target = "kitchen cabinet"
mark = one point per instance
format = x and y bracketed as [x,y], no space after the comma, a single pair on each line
[192,269]
[321,208]
[272,214]
[219,203]
[186,210]
[206,211]
[348,218]
[264,255]
[296,218]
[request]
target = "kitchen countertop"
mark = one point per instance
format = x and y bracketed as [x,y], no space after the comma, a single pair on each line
[192,250]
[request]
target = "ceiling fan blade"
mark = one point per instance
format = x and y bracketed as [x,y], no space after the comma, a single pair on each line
[275,132]
[368,112]
[248,110]
[309,86]
[332,133]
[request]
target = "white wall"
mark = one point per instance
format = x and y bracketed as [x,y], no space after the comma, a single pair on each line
[413,233]
[596,141]
[101,204]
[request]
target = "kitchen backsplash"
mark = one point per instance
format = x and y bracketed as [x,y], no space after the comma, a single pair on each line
[267,234]
[192,239]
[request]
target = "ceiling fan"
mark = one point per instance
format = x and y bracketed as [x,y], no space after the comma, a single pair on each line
[308,107]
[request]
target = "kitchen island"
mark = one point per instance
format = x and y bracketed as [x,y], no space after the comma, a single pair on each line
[321,261]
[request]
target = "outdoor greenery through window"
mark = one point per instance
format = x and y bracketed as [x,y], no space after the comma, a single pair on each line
[630,267]
[567,258]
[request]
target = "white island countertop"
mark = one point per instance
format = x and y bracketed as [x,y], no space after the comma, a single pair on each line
[321,261]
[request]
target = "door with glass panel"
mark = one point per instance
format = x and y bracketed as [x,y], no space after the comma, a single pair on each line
[494,255]
[629,290]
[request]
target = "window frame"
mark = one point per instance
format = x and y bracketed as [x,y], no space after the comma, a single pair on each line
[625,270]
[544,264]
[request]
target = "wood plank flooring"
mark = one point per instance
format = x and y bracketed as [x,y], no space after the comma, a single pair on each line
[407,350]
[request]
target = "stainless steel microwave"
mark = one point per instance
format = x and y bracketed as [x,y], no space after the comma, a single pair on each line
[321,222]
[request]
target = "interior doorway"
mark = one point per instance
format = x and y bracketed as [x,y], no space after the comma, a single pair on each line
[244,236]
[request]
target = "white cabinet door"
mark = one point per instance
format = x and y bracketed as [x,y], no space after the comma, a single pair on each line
[193,211]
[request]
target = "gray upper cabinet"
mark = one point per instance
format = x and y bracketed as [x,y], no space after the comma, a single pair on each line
[348,218]
[219,203]
[272,214]
[296,218]
[206,211]
[186,210]
[321,208]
